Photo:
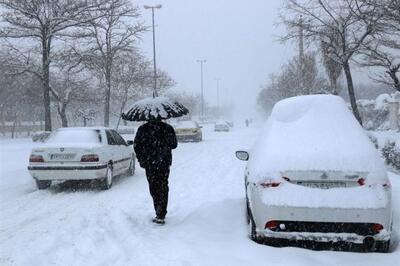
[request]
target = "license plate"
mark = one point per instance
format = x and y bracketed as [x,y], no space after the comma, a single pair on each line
[66,156]
[323,185]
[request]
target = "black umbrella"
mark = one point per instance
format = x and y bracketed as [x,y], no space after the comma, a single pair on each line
[154,108]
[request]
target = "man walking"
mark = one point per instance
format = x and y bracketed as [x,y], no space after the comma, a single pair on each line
[153,144]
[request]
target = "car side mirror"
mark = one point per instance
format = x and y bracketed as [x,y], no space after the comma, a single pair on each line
[129,142]
[242,155]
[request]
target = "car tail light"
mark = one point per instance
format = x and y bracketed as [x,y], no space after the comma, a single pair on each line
[36,158]
[361,181]
[270,184]
[90,158]
[272,225]
[376,228]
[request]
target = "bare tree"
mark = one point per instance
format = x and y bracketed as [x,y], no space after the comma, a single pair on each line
[42,22]
[380,55]
[384,51]
[69,83]
[333,69]
[130,79]
[109,37]
[353,22]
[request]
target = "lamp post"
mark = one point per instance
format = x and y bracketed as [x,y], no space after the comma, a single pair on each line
[218,108]
[202,61]
[154,46]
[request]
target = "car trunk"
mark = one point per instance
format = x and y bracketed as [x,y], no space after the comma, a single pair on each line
[62,154]
[325,179]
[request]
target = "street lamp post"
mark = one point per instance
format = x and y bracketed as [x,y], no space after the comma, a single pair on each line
[218,108]
[202,61]
[154,46]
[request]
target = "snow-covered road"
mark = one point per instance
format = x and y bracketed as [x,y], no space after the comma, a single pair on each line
[205,223]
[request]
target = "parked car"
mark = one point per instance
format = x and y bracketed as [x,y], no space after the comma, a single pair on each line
[81,154]
[188,131]
[221,126]
[314,179]
[126,130]
[40,136]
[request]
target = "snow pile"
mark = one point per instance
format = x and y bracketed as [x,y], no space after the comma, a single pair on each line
[150,108]
[313,133]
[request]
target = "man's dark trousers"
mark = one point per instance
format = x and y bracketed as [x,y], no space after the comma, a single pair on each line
[157,176]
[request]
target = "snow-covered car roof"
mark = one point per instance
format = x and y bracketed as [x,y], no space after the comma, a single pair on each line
[315,132]
[75,136]
[185,124]
[84,128]
[221,123]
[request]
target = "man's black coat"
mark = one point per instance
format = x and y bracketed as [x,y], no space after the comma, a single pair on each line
[153,144]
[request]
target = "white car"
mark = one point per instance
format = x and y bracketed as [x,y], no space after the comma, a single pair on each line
[188,131]
[314,179]
[81,154]
[221,126]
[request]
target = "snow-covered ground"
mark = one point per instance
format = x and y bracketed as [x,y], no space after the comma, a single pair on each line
[205,223]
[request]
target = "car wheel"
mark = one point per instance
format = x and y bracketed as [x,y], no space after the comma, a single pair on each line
[382,246]
[131,169]
[43,184]
[107,181]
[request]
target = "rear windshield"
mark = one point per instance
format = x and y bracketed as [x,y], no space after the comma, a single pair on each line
[74,136]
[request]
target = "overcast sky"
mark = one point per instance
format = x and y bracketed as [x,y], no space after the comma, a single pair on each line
[237,38]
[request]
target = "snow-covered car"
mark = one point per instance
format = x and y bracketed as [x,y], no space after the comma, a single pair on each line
[86,153]
[314,179]
[188,131]
[221,126]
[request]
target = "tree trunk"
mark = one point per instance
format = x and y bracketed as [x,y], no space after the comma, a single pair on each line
[396,82]
[63,116]
[334,85]
[350,88]
[14,125]
[46,82]
[107,98]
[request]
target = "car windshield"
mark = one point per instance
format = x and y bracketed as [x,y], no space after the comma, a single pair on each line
[186,124]
[74,136]
[221,123]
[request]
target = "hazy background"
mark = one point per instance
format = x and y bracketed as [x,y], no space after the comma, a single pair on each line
[239,40]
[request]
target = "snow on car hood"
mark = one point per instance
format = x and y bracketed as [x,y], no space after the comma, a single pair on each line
[315,132]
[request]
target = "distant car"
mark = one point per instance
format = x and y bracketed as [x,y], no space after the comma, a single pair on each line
[40,136]
[221,126]
[81,154]
[314,179]
[188,131]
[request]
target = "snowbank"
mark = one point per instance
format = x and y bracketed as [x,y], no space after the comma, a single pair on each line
[315,132]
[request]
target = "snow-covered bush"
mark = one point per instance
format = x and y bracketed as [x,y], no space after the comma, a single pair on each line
[375,113]
[391,153]
[374,116]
